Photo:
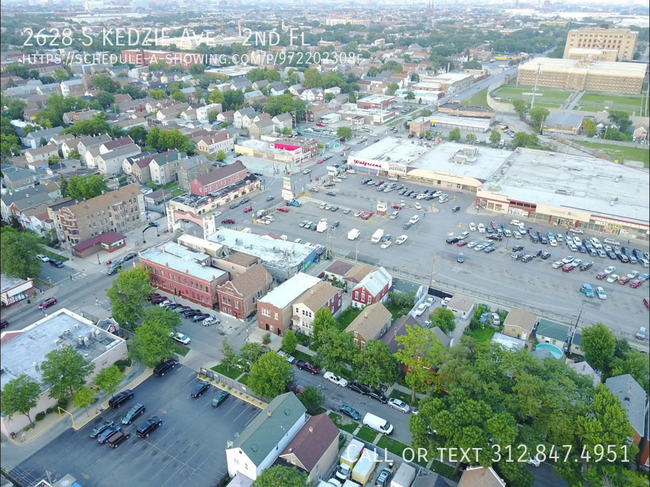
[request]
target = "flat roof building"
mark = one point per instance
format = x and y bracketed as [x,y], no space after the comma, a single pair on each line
[23,351]
[621,41]
[574,74]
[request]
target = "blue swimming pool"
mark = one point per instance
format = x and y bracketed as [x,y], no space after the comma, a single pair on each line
[557,353]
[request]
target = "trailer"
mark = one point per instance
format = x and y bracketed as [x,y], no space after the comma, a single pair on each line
[376,237]
[404,476]
[352,453]
[364,468]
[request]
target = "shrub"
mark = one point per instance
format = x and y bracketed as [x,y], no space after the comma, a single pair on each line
[40,416]
[49,410]
[122,368]
[63,403]
[267,338]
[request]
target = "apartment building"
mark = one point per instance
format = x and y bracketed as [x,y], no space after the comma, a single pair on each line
[622,41]
[120,211]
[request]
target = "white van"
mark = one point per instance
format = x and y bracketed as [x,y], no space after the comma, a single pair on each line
[611,241]
[378,424]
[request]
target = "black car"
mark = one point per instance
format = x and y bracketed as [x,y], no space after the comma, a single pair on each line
[623,258]
[190,312]
[235,205]
[134,412]
[98,430]
[455,209]
[199,317]
[378,396]
[244,201]
[537,253]
[330,193]
[360,388]
[220,398]
[534,238]
[120,398]
[148,427]
[612,255]
[638,254]
[517,248]
[181,308]
[545,254]
[452,240]
[129,256]
[200,389]
[334,224]
[495,237]
[117,438]
[174,306]
[543,240]
[586,266]
[165,366]
[56,263]
[4,324]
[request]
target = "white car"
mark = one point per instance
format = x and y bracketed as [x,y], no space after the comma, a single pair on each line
[533,461]
[577,241]
[216,213]
[567,259]
[414,219]
[180,338]
[429,301]
[323,220]
[596,243]
[386,244]
[472,226]
[613,278]
[559,237]
[419,311]
[463,235]
[471,245]
[401,239]
[609,270]
[306,171]
[481,228]
[552,242]
[339,381]
[298,240]
[399,405]
[417,206]
[633,275]
[600,292]
[577,230]
[558,264]
[43,258]
[289,358]
[394,215]
[516,234]
[516,223]
[357,214]
[445,302]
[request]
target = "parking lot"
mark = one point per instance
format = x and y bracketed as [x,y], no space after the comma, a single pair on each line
[426,255]
[188,449]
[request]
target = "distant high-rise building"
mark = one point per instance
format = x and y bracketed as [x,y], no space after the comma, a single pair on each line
[623,41]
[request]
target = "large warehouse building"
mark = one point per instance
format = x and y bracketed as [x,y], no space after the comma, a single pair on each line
[574,74]
[572,191]
[621,42]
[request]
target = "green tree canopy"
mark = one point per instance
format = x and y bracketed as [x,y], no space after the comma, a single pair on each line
[444,319]
[19,396]
[104,82]
[289,342]
[454,135]
[598,343]
[344,133]
[108,380]
[589,126]
[151,344]
[420,352]
[65,371]
[18,253]
[129,295]
[83,398]
[521,107]
[376,364]
[270,375]
[229,355]
[281,476]
[495,137]
[221,156]
[96,125]
[323,320]
[336,350]
[537,116]
[312,399]
[84,187]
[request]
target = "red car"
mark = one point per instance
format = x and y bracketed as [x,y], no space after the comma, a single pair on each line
[248,210]
[228,222]
[645,303]
[319,124]
[462,243]
[308,366]
[600,276]
[320,161]
[568,268]
[397,207]
[624,280]
[635,283]
[283,209]
[47,303]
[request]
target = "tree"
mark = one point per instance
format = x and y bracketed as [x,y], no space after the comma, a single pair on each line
[129,294]
[409,95]
[336,351]
[83,398]
[329,97]
[15,109]
[344,133]
[18,253]
[473,64]
[197,69]
[157,94]
[286,131]
[323,320]
[108,380]
[589,126]
[312,399]
[289,342]
[221,155]
[64,372]
[216,96]
[105,83]
[150,344]
[251,352]
[444,319]
[313,78]
[620,118]
[522,139]
[402,301]
[281,476]
[470,138]
[495,137]
[598,343]
[392,88]
[521,107]
[270,375]
[633,362]
[454,135]
[138,134]
[19,395]
[376,364]
[538,116]
[229,355]
[104,99]
[420,351]
[179,96]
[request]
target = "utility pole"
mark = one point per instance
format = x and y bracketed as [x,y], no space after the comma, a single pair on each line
[433,264]
[532,103]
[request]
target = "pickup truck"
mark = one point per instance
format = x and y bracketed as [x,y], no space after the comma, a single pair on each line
[308,366]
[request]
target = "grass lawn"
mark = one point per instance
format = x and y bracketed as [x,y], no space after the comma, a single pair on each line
[478,99]
[52,255]
[366,434]
[598,101]
[444,470]
[395,311]
[344,424]
[178,192]
[392,446]
[181,349]
[298,355]
[243,379]
[549,98]
[346,317]
[618,152]
[484,335]
[233,373]
[403,397]
[171,186]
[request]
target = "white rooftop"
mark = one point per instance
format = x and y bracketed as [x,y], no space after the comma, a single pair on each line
[190,241]
[287,292]
[439,158]
[509,343]
[579,182]
[8,282]
[23,351]
[376,99]
[181,259]
[278,253]
[392,149]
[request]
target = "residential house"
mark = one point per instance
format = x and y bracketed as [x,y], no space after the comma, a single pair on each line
[640,132]
[461,306]
[551,332]
[17,202]
[188,114]
[322,295]
[633,399]
[212,144]
[399,329]
[202,113]
[42,154]
[258,85]
[191,168]
[576,340]
[33,139]
[254,96]
[111,162]
[337,270]
[277,88]
[371,324]
[218,179]
[372,289]
[238,117]
[519,324]
[296,90]
[258,446]
[163,169]
[239,297]
[171,112]
[583,368]
[312,95]
[507,342]
[274,311]
[87,143]
[131,122]
[240,85]
[315,448]
[358,273]
[480,477]
[235,263]
[157,198]
[138,167]
[283,121]
[226,117]
[72,87]
[73,117]
[261,127]
[59,140]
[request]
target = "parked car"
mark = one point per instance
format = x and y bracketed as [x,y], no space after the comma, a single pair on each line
[136,411]
[98,430]
[399,405]
[339,381]
[180,338]
[360,388]
[120,398]
[199,317]
[43,258]
[107,433]
[308,366]
[228,221]
[377,395]
[117,438]
[46,303]
[129,256]
[455,209]
[349,411]
[220,398]
[199,389]
[149,426]
[165,366]
[56,263]
[383,479]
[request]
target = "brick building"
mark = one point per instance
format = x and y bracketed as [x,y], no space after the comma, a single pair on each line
[322,295]
[239,297]
[218,179]
[372,289]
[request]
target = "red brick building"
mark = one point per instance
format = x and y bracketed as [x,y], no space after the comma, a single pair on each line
[218,179]
[372,289]
[239,297]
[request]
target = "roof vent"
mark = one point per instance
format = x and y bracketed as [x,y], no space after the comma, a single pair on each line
[311,429]
[269,413]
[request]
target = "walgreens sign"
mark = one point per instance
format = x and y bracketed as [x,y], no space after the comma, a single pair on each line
[360,162]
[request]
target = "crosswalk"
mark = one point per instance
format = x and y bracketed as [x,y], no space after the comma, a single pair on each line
[78,275]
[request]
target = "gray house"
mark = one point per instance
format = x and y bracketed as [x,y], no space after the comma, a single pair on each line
[33,139]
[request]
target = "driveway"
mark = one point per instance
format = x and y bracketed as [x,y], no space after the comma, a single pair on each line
[188,449]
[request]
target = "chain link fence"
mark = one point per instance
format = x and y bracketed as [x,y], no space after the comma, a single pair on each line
[232,383]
